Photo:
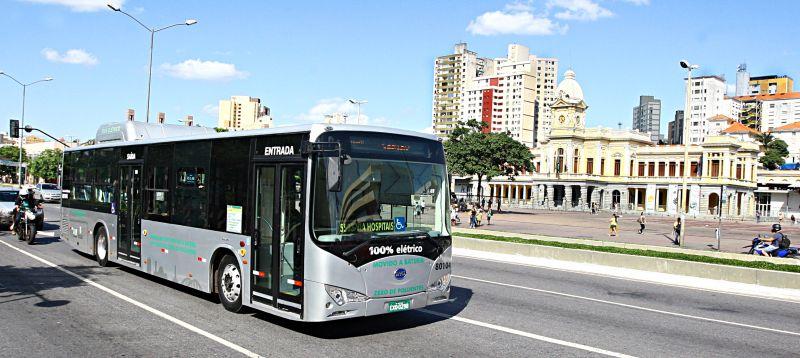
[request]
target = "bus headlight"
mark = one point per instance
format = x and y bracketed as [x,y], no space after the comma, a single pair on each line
[342,295]
[441,284]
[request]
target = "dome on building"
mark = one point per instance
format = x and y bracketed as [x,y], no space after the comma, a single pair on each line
[569,89]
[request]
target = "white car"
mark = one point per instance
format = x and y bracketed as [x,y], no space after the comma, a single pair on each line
[48,192]
[7,198]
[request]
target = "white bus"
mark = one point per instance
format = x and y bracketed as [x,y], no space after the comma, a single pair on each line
[310,223]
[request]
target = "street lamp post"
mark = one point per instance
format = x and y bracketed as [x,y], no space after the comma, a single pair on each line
[358,103]
[22,121]
[686,166]
[152,31]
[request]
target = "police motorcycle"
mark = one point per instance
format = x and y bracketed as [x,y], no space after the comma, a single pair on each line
[29,223]
[784,248]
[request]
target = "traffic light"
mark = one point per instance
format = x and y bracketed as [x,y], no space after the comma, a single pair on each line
[13,130]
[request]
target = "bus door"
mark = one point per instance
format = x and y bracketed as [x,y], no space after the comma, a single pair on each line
[130,213]
[278,236]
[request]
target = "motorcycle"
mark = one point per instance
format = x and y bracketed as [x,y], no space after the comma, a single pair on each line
[785,250]
[27,226]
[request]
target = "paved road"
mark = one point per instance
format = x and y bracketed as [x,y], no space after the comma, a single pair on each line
[699,234]
[498,309]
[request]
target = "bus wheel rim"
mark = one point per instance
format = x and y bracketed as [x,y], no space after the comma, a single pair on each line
[101,247]
[231,283]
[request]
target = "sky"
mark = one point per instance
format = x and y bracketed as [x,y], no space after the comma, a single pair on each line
[305,59]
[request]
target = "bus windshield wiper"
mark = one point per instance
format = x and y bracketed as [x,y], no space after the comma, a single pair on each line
[366,242]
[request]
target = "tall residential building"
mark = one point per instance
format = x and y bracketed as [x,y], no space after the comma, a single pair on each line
[779,110]
[708,100]
[675,129]
[770,85]
[451,76]
[647,117]
[510,94]
[243,112]
[742,80]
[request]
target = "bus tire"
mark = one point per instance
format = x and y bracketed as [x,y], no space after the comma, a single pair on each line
[229,284]
[101,247]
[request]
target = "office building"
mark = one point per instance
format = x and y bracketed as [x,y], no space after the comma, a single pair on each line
[675,129]
[242,113]
[647,117]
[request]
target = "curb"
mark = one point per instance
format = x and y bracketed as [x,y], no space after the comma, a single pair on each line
[768,278]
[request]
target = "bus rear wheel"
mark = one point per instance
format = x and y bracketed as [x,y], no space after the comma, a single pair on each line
[101,247]
[229,284]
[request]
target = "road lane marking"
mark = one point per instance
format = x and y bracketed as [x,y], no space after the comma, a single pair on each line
[617,277]
[143,306]
[528,335]
[632,306]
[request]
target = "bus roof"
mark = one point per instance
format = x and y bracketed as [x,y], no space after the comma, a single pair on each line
[152,133]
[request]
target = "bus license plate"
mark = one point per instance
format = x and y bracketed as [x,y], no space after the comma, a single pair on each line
[397,306]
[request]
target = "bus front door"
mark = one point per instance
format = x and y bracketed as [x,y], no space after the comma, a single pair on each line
[278,238]
[129,217]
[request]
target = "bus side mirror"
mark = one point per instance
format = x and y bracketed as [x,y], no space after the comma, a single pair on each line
[334,173]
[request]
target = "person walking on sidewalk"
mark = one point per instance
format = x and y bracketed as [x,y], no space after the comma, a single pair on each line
[641,222]
[612,229]
[489,214]
[472,219]
[676,231]
[479,217]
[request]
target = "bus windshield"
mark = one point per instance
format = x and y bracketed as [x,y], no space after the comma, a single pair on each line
[390,186]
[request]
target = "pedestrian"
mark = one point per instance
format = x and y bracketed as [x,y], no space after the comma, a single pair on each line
[417,209]
[479,217]
[483,203]
[422,205]
[612,229]
[641,222]
[472,219]
[676,231]
[453,216]
[594,208]
[758,216]
[794,220]
[490,202]
[489,214]
[780,218]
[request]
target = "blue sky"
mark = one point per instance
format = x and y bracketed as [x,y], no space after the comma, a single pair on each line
[306,59]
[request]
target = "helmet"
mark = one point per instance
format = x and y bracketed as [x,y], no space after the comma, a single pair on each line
[776,227]
[23,192]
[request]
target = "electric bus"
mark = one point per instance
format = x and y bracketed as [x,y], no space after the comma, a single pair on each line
[313,223]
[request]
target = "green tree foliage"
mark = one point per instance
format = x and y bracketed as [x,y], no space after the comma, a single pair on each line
[220,129]
[470,151]
[774,150]
[10,152]
[46,164]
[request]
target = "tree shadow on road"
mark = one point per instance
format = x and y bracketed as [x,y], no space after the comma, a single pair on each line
[22,283]
[365,326]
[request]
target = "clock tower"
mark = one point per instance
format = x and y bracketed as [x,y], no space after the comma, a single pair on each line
[569,110]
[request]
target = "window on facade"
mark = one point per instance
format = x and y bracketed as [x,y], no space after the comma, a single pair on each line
[693,169]
[602,166]
[631,168]
[641,169]
[651,169]
[617,167]
[589,165]
[715,168]
[661,169]
[575,160]
[672,169]
[738,171]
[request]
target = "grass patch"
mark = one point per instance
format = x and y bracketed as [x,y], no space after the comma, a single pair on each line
[638,252]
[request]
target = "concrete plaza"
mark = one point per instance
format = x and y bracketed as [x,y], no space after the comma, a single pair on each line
[658,232]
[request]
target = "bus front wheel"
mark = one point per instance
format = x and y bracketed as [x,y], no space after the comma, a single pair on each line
[229,284]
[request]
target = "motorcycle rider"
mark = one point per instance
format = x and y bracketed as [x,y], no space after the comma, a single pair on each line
[769,245]
[25,201]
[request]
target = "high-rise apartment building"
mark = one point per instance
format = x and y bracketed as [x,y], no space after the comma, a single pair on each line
[243,112]
[675,129]
[708,100]
[647,117]
[510,94]
[770,85]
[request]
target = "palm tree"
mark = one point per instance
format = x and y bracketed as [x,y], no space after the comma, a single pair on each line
[765,138]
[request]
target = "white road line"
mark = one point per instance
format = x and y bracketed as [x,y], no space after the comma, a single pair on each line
[528,335]
[727,292]
[632,306]
[143,306]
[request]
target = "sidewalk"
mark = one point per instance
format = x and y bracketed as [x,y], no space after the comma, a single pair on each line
[658,232]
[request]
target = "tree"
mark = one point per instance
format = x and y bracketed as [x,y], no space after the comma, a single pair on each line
[473,152]
[46,165]
[220,129]
[10,152]
[774,150]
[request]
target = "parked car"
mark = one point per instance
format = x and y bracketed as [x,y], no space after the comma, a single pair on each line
[7,197]
[48,192]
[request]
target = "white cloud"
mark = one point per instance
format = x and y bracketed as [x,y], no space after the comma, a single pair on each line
[81,5]
[580,10]
[73,56]
[211,109]
[203,70]
[514,19]
[337,105]
[638,2]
